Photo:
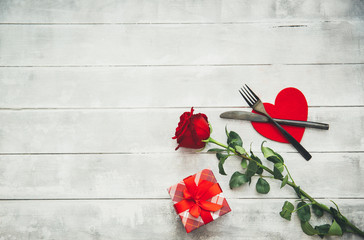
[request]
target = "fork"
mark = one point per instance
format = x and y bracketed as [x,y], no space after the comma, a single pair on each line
[254,102]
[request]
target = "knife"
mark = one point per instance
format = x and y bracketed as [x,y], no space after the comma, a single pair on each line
[253,117]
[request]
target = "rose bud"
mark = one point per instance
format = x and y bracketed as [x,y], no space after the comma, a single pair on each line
[191,130]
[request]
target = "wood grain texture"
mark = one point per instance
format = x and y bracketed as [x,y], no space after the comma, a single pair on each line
[91,93]
[158,11]
[131,219]
[142,87]
[201,44]
[147,131]
[135,176]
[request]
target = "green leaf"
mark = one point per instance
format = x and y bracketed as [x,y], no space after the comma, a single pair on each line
[322,229]
[298,191]
[303,211]
[237,179]
[317,211]
[279,166]
[244,163]
[252,169]
[260,170]
[284,182]
[267,152]
[335,229]
[287,210]
[216,150]
[240,150]
[336,214]
[222,158]
[270,155]
[279,157]
[221,168]
[277,174]
[234,139]
[308,229]
[275,159]
[226,131]
[262,186]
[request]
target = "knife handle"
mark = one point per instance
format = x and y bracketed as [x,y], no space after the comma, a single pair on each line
[303,123]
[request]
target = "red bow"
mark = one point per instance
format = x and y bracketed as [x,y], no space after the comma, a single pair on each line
[195,199]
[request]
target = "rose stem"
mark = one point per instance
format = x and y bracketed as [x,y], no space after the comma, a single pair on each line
[292,184]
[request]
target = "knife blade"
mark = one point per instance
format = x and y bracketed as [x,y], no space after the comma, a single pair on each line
[253,117]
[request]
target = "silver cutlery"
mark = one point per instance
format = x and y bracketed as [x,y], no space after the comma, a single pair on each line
[253,117]
[254,102]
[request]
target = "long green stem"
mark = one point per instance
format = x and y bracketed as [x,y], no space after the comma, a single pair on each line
[292,184]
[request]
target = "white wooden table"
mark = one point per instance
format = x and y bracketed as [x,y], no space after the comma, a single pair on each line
[91,93]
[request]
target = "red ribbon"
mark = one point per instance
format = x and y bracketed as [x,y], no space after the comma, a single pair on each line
[195,199]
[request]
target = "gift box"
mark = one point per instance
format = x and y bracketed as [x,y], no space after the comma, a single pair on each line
[198,200]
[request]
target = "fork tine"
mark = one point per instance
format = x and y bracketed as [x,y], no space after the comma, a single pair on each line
[248,95]
[252,92]
[246,100]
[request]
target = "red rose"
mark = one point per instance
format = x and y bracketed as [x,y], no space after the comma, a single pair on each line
[191,130]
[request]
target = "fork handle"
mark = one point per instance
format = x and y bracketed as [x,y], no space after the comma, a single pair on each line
[292,140]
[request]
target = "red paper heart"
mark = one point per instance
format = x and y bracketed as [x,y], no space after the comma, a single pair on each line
[290,104]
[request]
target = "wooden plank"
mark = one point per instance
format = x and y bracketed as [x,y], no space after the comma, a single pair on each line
[140,130]
[158,11]
[130,87]
[131,219]
[149,175]
[176,44]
